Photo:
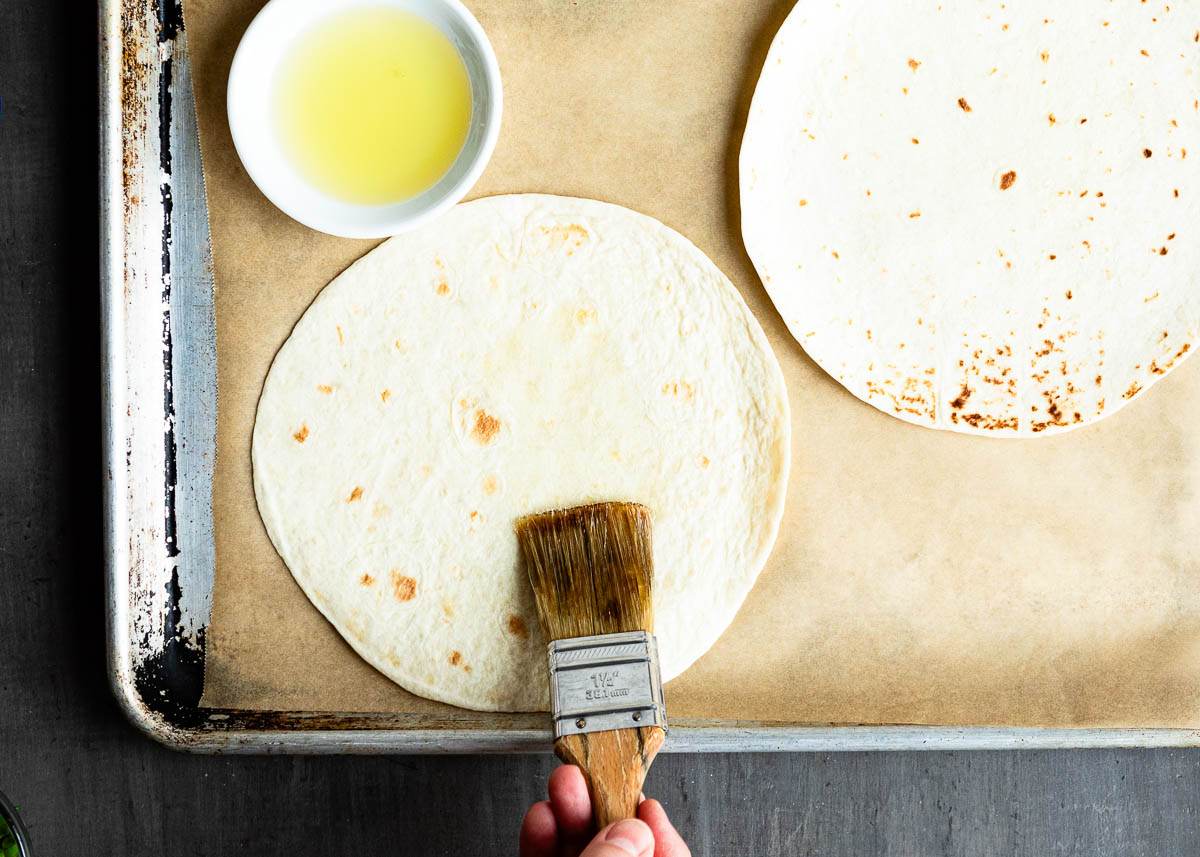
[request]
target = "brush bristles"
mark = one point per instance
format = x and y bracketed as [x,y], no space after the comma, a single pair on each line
[591,569]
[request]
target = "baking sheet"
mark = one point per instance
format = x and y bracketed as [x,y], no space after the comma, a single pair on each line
[919,577]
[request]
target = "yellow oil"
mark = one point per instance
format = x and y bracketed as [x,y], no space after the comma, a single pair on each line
[372,105]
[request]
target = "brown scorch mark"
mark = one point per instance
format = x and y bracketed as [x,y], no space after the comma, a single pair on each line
[366,580]
[912,63]
[325,388]
[486,427]
[1146,153]
[404,588]
[517,626]
[341,339]
[455,658]
[987,423]
[675,388]
[962,103]
[1132,391]
[573,235]
[1162,370]
[1006,180]
[491,485]
[301,435]
[958,403]
[356,494]
[443,288]
[385,395]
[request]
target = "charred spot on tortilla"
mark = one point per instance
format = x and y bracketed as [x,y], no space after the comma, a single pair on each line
[404,588]
[486,427]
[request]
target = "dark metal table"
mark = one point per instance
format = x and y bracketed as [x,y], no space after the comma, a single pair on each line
[89,784]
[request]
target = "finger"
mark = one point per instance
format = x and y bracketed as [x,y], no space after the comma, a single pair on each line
[539,832]
[667,841]
[572,807]
[628,838]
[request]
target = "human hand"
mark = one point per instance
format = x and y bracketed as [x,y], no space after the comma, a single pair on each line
[563,825]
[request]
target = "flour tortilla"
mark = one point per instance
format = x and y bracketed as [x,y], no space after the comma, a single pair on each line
[982,216]
[520,354]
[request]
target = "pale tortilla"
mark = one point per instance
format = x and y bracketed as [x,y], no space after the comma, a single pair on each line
[522,353]
[982,216]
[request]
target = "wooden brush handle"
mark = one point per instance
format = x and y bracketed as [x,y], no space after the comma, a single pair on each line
[614,765]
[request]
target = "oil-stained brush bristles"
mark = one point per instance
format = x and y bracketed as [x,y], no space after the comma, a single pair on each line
[591,569]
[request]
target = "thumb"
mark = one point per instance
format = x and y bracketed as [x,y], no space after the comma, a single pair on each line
[628,838]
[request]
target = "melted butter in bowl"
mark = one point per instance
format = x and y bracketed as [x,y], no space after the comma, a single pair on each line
[364,119]
[372,106]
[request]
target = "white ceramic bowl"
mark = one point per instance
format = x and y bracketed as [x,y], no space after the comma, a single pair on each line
[268,40]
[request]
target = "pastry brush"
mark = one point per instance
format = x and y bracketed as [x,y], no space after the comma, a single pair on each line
[592,569]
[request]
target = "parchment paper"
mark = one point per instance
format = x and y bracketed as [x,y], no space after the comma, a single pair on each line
[919,577]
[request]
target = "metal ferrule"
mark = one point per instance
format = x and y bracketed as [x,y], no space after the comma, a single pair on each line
[609,681]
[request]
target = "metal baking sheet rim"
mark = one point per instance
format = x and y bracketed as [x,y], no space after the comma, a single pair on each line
[159,419]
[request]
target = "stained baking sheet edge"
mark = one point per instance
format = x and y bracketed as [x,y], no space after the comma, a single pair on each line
[159,421]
